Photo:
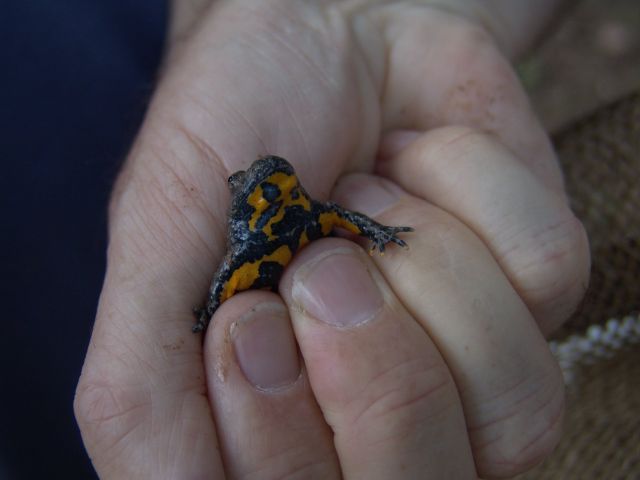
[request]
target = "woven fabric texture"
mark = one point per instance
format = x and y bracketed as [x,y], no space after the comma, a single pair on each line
[601,160]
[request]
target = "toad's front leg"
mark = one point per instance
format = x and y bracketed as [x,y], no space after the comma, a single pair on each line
[358,223]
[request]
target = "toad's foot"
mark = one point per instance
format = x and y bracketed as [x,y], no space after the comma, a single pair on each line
[202,320]
[383,235]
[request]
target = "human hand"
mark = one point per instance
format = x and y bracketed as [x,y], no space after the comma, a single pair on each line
[322,86]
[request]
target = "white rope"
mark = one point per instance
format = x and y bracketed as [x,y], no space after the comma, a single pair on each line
[597,343]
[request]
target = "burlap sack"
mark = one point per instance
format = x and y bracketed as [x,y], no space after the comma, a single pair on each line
[599,348]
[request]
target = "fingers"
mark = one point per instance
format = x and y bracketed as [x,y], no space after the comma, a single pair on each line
[443,70]
[509,384]
[528,227]
[268,421]
[380,382]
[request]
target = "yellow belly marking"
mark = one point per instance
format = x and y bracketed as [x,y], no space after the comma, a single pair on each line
[243,277]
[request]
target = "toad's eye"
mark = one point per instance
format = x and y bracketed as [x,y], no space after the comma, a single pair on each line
[236,180]
[270,192]
[295,193]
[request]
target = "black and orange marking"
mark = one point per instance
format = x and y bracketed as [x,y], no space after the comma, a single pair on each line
[271,217]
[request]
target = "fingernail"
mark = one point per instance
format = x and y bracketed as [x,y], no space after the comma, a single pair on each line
[337,289]
[265,347]
[369,194]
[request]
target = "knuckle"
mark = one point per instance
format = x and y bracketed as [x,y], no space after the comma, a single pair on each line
[446,144]
[292,464]
[106,416]
[554,271]
[95,404]
[447,244]
[521,426]
[404,395]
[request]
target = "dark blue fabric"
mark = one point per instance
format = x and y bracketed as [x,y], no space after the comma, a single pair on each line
[75,78]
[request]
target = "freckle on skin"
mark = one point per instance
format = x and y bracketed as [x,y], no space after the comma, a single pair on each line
[173,346]
[468,96]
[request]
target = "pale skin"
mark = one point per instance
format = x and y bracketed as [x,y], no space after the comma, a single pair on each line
[426,363]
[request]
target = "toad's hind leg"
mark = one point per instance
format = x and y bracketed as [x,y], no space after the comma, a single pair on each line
[202,319]
[214,297]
